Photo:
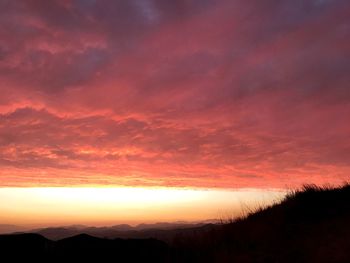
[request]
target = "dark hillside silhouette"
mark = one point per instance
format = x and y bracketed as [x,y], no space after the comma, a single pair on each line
[81,248]
[310,225]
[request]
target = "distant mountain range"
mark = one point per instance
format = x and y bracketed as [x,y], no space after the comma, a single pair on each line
[4,228]
[162,231]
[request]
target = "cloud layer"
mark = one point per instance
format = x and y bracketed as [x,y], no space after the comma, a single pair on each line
[174,93]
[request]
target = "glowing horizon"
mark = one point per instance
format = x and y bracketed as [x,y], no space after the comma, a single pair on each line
[96,206]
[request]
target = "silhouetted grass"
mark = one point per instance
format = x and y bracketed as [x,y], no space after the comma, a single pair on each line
[310,224]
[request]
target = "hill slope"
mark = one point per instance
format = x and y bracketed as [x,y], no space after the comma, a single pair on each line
[80,248]
[311,225]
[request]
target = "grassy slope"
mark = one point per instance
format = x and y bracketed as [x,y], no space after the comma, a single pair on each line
[310,225]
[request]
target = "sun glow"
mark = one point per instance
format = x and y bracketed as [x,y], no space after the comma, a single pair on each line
[106,206]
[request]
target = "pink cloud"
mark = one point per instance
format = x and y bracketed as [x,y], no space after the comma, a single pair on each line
[214,94]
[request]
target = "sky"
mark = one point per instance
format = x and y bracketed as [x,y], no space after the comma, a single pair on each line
[61,206]
[190,94]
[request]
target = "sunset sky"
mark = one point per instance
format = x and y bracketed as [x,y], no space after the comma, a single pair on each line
[182,95]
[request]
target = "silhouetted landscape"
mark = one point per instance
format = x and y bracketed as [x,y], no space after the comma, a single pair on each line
[309,225]
[221,127]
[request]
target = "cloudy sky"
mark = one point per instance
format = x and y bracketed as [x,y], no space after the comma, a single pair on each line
[194,93]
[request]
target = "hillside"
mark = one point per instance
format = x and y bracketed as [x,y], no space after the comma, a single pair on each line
[310,225]
[80,248]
